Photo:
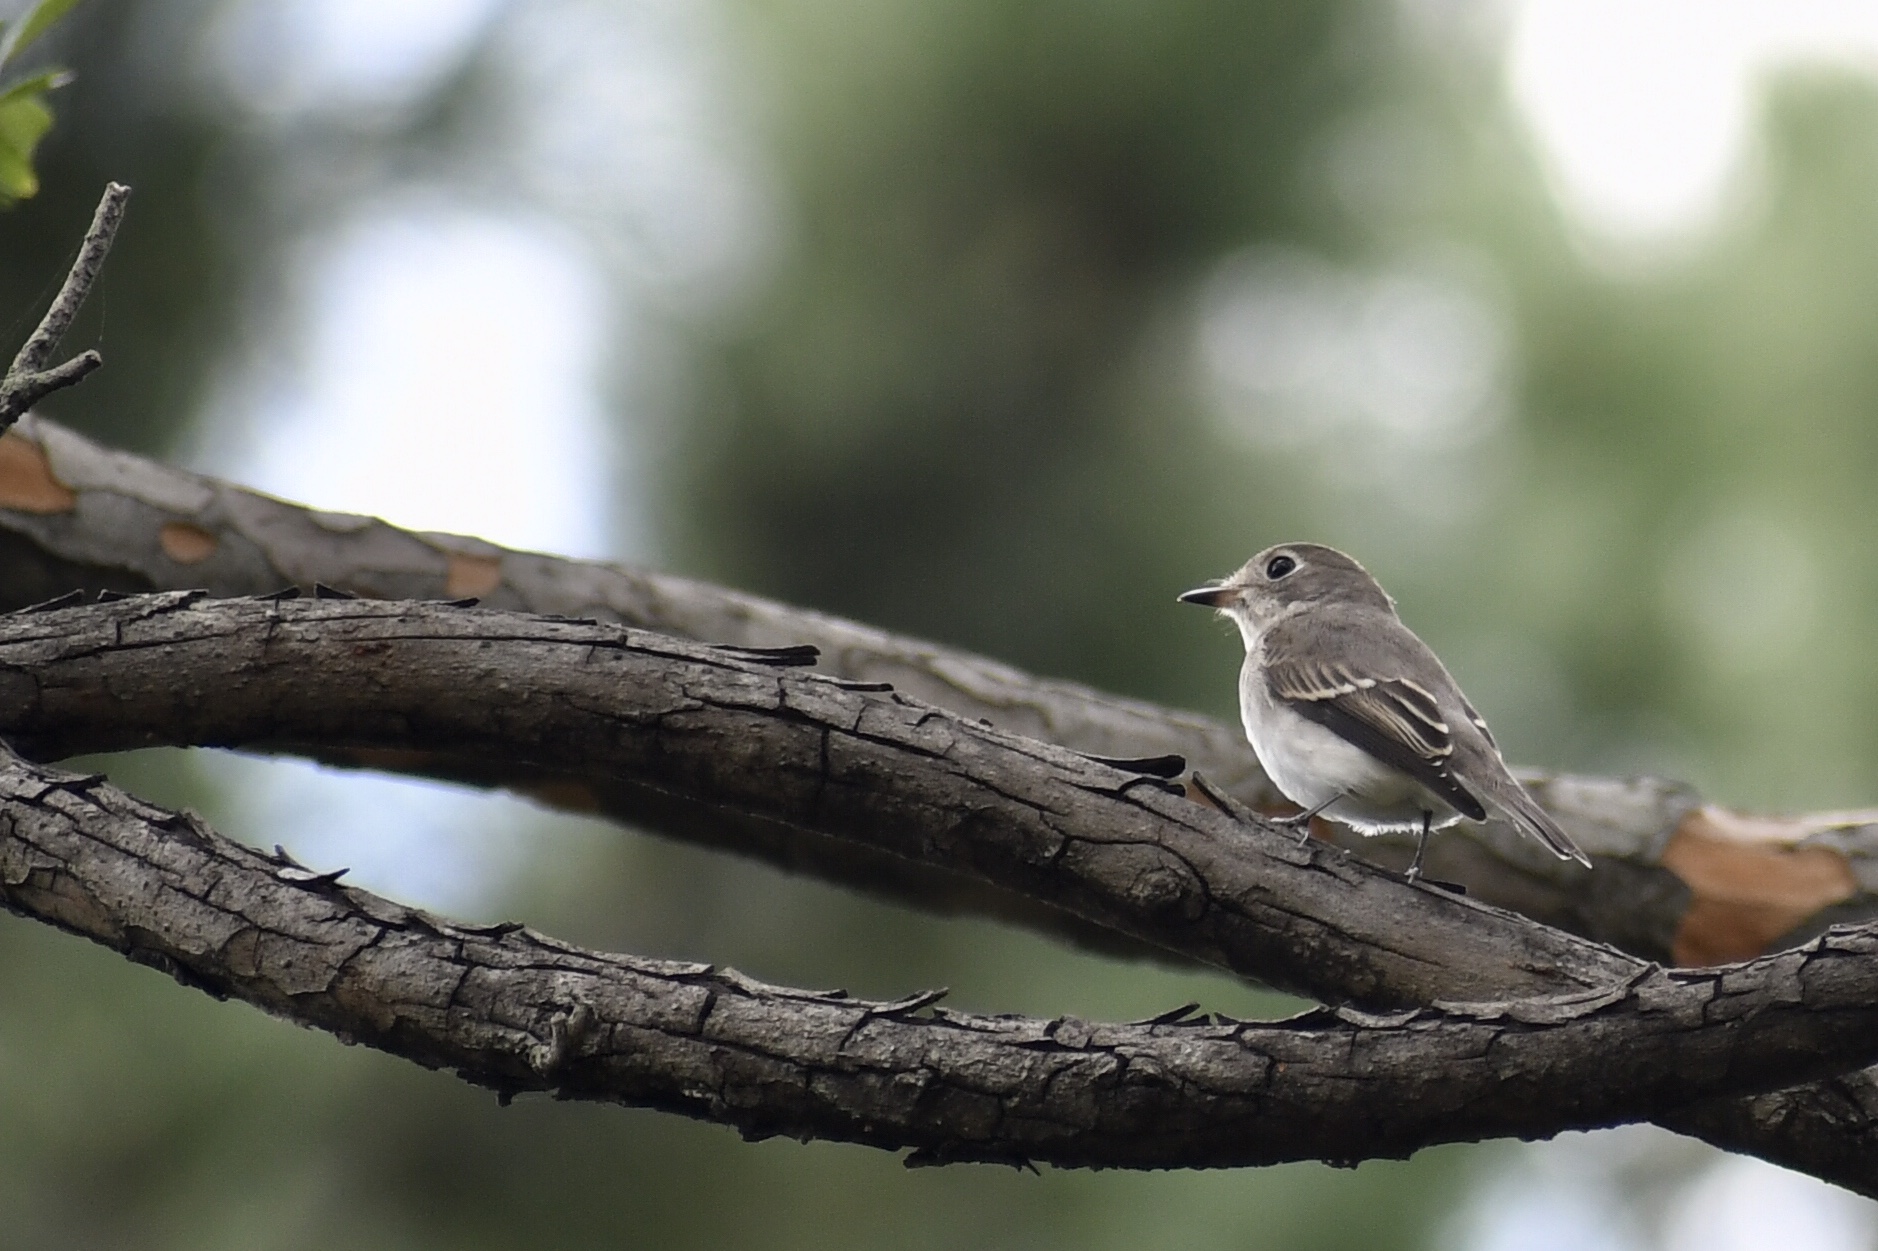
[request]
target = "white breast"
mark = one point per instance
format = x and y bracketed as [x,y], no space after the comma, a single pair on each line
[1311,765]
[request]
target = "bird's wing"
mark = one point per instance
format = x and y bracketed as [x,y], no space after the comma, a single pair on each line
[1479,723]
[1393,718]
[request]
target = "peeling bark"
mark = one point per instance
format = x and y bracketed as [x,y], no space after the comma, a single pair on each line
[1669,880]
[516,1011]
[77,515]
[681,735]
[853,779]
[704,731]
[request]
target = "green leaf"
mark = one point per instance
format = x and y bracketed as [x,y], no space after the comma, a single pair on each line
[24,120]
[37,84]
[33,25]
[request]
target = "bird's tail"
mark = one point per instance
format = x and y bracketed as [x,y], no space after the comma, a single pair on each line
[1538,823]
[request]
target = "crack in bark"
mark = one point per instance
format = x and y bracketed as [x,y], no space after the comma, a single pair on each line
[1020,795]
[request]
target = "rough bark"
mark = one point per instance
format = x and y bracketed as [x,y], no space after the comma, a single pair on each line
[1826,1128]
[1674,1045]
[706,731]
[1676,879]
[683,734]
[516,1011]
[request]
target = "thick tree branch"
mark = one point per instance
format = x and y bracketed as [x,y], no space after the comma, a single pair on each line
[1785,1018]
[30,379]
[516,1011]
[1675,879]
[695,729]
[1673,874]
[691,733]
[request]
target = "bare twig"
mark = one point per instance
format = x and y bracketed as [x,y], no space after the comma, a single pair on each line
[29,380]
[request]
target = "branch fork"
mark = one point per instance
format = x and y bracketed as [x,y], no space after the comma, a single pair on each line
[30,378]
[1087,845]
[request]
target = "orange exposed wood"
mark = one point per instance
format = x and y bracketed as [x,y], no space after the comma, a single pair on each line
[472,575]
[1750,884]
[186,544]
[26,481]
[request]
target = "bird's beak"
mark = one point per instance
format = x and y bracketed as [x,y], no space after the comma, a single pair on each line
[1211,596]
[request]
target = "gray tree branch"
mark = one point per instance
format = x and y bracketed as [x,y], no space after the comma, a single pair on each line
[1676,879]
[516,1011]
[30,379]
[75,515]
[686,734]
[701,733]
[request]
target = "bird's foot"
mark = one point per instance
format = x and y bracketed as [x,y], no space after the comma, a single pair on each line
[1299,821]
[1302,820]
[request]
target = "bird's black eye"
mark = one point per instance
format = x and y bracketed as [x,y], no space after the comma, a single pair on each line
[1278,566]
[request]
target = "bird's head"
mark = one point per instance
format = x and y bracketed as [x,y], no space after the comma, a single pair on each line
[1285,578]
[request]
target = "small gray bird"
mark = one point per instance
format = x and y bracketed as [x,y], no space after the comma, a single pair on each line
[1351,715]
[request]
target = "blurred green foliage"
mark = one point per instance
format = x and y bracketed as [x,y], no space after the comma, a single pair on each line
[952,411]
[24,115]
[24,120]
[967,402]
[169,301]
